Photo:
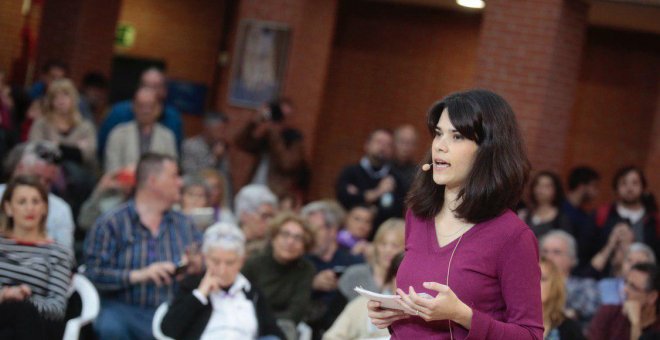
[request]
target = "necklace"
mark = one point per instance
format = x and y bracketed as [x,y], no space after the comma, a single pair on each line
[454,233]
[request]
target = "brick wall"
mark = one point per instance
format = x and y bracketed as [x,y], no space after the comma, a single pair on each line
[312,25]
[653,157]
[390,63]
[11,23]
[80,33]
[616,101]
[185,34]
[530,53]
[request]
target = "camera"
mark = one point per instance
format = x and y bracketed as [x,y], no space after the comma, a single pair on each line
[274,112]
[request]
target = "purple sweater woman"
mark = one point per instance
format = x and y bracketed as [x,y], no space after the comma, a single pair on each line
[470,269]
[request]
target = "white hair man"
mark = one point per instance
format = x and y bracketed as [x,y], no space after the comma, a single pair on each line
[611,288]
[582,299]
[255,207]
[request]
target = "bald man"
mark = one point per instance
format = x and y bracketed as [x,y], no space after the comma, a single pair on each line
[128,141]
[122,112]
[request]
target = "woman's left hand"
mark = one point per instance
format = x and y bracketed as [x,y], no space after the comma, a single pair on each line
[444,306]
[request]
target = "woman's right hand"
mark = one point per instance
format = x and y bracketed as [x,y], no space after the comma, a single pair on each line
[209,284]
[384,317]
[15,293]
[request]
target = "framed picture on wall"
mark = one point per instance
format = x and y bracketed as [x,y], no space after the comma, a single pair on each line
[259,63]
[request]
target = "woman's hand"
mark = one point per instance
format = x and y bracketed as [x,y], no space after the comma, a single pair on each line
[444,306]
[15,293]
[383,317]
[209,284]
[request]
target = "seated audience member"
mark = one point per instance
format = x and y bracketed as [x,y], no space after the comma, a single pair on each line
[582,299]
[282,272]
[578,207]
[353,323]
[94,97]
[553,297]
[330,261]
[132,251]
[357,229]
[637,318]
[405,149]
[220,303]
[123,112]
[194,194]
[195,202]
[216,184]
[35,272]
[632,218]
[255,207]
[35,110]
[63,125]
[113,189]
[608,261]
[8,117]
[128,141]
[209,150]
[41,159]
[372,181]
[52,70]
[544,213]
[278,147]
[611,289]
[388,242]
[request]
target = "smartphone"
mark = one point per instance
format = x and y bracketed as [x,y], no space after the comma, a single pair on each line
[339,270]
[276,113]
[181,268]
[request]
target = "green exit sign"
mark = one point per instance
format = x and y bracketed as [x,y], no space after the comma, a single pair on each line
[125,35]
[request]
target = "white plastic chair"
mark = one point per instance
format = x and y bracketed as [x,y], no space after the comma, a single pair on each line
[304,331]
[91,305]
[158,319]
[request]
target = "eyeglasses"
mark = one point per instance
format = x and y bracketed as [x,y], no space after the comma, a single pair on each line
[634,288]
[556,252]
[296,237]
[47,154]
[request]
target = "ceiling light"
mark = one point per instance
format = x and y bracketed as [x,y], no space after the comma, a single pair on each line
[472,3]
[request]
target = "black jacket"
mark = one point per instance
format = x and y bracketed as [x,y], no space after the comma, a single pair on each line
[187,317]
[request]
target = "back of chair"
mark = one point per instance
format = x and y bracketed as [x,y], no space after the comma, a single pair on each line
[91,304]
[158,319]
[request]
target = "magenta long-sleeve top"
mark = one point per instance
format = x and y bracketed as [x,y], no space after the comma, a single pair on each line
[494,270]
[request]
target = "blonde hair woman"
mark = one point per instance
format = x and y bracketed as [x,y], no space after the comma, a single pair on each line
[388,241]
[553,297]
[62,124]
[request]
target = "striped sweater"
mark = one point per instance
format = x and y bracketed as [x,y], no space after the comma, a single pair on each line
[45,268]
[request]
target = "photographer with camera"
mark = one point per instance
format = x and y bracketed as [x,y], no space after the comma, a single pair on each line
[279,150]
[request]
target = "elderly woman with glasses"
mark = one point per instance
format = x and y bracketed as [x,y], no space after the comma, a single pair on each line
[282,272]
[220,303]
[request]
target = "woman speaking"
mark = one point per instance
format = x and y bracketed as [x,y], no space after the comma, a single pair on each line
[471,265]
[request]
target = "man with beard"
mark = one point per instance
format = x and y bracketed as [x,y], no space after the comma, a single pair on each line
[632,216]
[372,181]
[582,191]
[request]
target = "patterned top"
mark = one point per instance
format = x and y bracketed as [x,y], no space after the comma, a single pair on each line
[582,297]
[119,243]
[45,268]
